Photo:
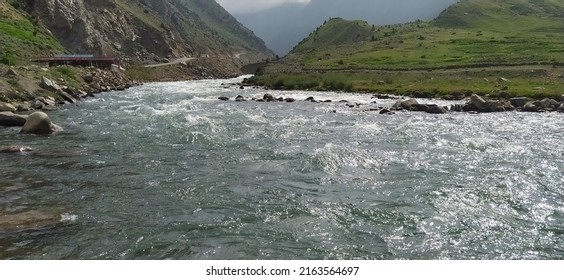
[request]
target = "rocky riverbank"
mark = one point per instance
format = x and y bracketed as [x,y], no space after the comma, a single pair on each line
[27,90]
[473,104]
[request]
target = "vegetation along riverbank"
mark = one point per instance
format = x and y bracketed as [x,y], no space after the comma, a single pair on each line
[499,49]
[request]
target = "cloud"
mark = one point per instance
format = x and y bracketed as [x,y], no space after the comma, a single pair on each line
[245,6]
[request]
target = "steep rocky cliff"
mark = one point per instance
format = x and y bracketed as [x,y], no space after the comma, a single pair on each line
[145,29]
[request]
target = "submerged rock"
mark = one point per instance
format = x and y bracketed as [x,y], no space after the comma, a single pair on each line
[223,98]
[15,149]
[30,220]
[39,123]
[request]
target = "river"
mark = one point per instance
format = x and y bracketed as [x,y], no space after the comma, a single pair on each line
[168,171]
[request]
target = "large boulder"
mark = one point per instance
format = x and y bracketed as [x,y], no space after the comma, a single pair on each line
[66,96]
[407,104]
[436,109]
[500,106]
[48,84]
[40,102]
[561,108]
[548,103]
[419,107]
[478,102]
[531,107]
[11,119]
[7,107]
[39,123]
[519,102]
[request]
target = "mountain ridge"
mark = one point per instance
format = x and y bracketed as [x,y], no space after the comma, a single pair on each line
[475,43]
[144,30]
[288,24]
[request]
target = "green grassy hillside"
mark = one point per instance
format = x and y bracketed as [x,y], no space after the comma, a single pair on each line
[20,38]
[473,34]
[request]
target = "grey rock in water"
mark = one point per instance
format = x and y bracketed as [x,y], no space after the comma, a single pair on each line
[30,220]
[407,104]
[499,106]
[39,123]
[268,97]
[519,102]
[530,107]
[290,100]
[11,119]
[7,107]
[478,102]
[436,109]
[420,107]
[14,149]
[548,103]
[67,97]
[457,108]
[561,108]
[223,98]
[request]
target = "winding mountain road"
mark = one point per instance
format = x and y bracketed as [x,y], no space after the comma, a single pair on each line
[176,61]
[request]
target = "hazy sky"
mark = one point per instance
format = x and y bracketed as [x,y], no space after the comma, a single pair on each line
[238,6]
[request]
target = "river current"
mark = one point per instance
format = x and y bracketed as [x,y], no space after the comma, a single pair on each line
[168,171]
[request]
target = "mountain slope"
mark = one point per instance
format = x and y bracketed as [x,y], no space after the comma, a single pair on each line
[145,29]
[20,38]
[472,32]
[512,47]
[284,26]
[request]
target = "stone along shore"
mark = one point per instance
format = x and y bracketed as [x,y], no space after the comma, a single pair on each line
[474,104]
[28,110]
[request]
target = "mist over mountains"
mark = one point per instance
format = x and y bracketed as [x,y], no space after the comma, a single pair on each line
[283,26]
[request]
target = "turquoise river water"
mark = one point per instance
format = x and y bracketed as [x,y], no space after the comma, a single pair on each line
[168,171]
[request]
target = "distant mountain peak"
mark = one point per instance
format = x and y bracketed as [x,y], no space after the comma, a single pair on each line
[284,26]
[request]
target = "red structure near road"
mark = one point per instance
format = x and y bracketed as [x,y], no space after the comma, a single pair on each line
[85,60]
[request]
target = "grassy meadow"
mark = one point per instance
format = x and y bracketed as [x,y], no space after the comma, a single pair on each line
[473,46]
